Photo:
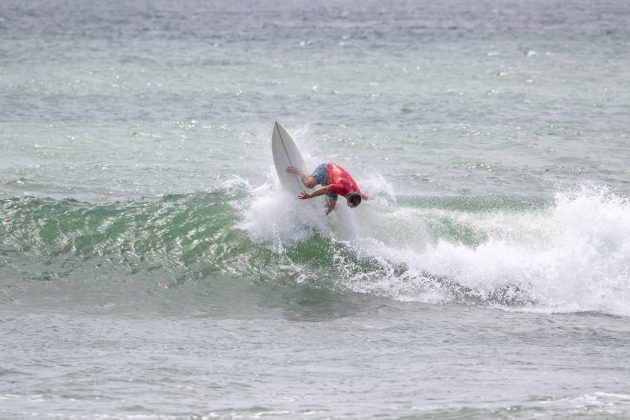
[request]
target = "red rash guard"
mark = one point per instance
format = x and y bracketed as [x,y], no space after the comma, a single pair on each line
[339,181]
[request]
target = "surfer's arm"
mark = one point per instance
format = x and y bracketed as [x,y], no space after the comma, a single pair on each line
[330,206]
[320,191]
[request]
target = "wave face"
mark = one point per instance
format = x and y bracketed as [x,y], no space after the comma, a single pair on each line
[570,254]
[187,235]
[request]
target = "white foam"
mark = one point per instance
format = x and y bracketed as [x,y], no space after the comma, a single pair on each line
[575,256]
[570,257]
[279,218]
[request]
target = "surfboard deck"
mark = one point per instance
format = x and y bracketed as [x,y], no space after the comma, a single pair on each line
[285,154]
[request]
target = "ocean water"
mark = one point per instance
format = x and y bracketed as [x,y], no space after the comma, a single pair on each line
[152,267]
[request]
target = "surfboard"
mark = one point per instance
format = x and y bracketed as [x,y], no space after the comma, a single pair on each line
[285,154]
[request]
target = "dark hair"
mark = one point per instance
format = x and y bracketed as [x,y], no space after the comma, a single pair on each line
[354,198]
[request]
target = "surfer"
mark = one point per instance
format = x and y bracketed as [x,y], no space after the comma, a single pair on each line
[334,181]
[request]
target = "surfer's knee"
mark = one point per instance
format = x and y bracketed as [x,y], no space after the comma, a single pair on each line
[309,182]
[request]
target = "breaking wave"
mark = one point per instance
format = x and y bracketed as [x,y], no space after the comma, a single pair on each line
[568,254]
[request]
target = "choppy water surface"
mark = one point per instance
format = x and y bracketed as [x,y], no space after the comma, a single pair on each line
[151,267]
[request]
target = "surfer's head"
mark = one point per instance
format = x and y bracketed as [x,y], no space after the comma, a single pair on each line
[354,199]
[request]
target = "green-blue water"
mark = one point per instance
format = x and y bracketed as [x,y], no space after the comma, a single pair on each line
[151,266]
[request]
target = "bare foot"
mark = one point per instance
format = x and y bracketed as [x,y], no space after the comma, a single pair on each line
[293,170]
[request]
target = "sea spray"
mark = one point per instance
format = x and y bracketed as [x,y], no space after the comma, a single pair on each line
[570,255]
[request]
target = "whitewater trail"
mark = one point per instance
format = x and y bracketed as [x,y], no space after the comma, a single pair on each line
[571,255]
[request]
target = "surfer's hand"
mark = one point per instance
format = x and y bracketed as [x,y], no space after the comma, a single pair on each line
[304,195]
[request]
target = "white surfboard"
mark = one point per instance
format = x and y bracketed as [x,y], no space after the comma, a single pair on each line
[285,154]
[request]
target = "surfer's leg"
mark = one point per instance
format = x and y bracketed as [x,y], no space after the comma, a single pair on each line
[308,181]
